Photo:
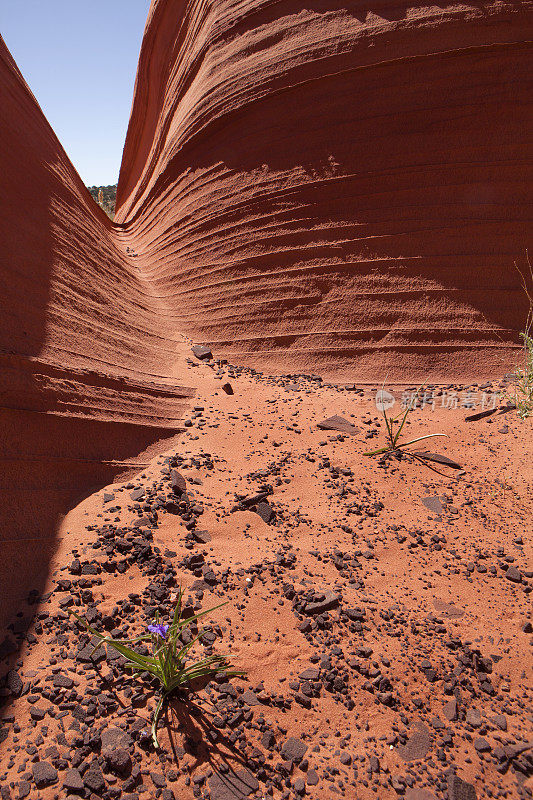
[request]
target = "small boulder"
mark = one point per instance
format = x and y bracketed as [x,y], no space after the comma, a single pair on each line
[44,774]
[72,781]
[202,352]
[328,601]
[293,749]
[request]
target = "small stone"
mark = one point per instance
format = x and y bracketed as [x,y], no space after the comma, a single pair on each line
[433,504]
[265,511]
[450,709]
[14,682]
[329,601]
[447,609]
[158,780]
[115,737]
[178,482]
[202,352]
[337,423]
[293,749]
[375,765]
[250,698]
[473,717]
[93,778]
[500,720]
[481,745]
[228,388]
[459,789]
[203,537]
[117,759]
[312,777]
[268,740]
[417,746]
[419,794]
[24,789]
[233,785]
[72,780]
[44,774]
[63,681]
[309,674]
[513,574]
[75,566]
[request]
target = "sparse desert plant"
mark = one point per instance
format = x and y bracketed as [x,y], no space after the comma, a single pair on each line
[522,395]
[394,426]
[395,447]
[171,663]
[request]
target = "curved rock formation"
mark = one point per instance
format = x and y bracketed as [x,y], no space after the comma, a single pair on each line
[317,186]
[84,385]
[335,187]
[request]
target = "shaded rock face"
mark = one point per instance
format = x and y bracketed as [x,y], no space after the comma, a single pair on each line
[334,187]
[83,386]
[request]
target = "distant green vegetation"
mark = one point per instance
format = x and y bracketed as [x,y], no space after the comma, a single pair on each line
[106,197]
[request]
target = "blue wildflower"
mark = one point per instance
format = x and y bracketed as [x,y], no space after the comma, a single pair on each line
[159,630]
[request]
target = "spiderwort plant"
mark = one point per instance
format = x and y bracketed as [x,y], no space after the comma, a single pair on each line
[171,662]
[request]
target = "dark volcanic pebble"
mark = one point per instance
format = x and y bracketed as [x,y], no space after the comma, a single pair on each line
[513,574]
[293,749]
[329,601]
[202,352]
[265,511]
[433,504]
[14,682]
[44,774]
[72,780]
[460,790]
[417,746]
[93,778]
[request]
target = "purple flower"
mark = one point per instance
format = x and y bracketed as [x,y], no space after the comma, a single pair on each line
[159,630]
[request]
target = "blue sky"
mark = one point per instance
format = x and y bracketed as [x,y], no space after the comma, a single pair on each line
[79,58]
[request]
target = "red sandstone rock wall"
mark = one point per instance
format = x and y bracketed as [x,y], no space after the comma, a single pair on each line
[79,332]
[335,187]
[83,369]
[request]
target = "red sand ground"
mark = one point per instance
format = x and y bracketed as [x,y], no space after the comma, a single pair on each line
[427,587]
[318,189]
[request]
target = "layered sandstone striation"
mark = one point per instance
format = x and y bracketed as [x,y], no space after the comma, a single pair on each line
[84,370]
[318,187]
[334,187]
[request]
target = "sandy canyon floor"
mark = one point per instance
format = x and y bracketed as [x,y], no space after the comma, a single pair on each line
[380,612]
